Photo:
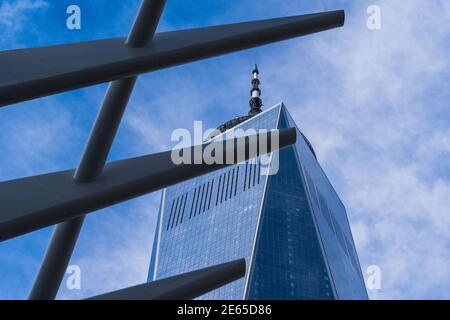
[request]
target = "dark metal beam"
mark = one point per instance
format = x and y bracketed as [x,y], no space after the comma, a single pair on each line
[32,73]
[146,22]
[182,287]
[56,260]
[105,128]
[117,97]
[64,238]
[36,202]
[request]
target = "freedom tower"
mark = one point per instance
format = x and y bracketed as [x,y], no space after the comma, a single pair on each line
[283,216]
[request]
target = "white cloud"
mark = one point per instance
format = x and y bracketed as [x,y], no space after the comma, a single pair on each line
[36,141]
[113,251]
[12,13]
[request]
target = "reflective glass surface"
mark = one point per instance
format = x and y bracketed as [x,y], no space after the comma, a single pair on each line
[288,262]
[332,224]
[212,219]
[291,228]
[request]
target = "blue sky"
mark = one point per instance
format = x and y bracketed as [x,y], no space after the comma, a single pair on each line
[373,103]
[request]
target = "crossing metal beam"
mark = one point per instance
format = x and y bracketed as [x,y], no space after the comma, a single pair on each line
[36,72]
[182,287]
[65,236]
[32,203]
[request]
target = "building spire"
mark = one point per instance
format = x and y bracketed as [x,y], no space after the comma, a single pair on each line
[255,101]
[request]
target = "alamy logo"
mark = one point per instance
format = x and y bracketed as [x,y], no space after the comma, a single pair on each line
[373,280]
[73,22]
[73,281]
[222,149]
[374,20]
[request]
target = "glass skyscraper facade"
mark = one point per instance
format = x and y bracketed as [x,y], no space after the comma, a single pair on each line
[291,227]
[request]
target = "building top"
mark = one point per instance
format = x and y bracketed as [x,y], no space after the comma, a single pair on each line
[255,104]
[255,109]
[255,93]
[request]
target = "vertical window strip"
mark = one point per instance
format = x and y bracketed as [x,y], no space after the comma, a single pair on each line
[206,197]
[170,216]
[175,211]
[218,190]
[180,210]
[196,202]
[236,183]
[184,207]
[254,173]
[228,183]
[245,176]
[259,171]
[210,194]
[232,183]
[201,201]
[223,187]
[250,174]
[193,201]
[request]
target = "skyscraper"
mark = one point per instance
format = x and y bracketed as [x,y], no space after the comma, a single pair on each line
[290,226]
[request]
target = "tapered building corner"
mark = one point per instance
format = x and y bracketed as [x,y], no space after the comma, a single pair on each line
[280,213]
